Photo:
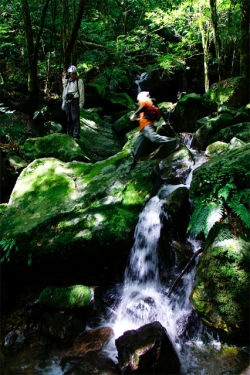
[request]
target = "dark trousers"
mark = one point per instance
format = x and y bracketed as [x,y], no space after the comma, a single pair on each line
[149,134]
[73,118]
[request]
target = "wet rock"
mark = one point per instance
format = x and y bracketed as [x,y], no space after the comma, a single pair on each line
[63,326]
[92,341]
[147,350]
[10,339]
[95,363]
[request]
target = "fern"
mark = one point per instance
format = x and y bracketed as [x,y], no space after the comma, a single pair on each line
[7,244]
[198,219]
[240,210]
[215,213]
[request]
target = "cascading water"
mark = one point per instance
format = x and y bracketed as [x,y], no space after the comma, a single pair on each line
[142,297]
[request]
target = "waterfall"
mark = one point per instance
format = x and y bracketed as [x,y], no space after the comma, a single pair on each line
[142,298]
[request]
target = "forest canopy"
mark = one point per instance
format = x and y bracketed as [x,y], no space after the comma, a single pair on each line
[112,40]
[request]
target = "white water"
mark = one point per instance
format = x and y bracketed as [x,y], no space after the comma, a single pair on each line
[142,297]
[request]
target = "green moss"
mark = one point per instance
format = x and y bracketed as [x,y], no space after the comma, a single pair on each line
[221,295]
[66,298]
[3,207]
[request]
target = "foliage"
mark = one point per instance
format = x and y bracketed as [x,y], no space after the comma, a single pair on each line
[221,198]
[7,245]
[127,35]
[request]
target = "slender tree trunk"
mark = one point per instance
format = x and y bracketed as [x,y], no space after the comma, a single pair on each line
[205,45]
[217,40]
[31,47]
[77,24]
[244,40]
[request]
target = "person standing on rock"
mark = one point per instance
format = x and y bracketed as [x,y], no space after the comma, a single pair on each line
[147,128]
[73,98]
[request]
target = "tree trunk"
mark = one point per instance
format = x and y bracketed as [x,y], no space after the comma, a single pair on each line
[70,45]
[217,40]
[32,49]
[244,40]
[205,45]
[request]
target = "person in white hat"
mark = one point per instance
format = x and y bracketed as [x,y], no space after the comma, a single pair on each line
[147,128]
[73,98]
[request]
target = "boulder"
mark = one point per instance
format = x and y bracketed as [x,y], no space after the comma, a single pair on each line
[221,292]
[94,363]
[232,92]
[60,146]
[240,131]
[209,127]
[61,325]
[216,148]
[147,350]
[188,110]
[68,298]
[92,341]
[98,139]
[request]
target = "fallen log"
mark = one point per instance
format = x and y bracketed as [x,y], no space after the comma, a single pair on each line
[183,271]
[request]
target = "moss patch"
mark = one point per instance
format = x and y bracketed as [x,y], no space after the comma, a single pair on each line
[66,298]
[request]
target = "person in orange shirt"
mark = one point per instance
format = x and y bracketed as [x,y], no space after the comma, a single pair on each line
[147,129]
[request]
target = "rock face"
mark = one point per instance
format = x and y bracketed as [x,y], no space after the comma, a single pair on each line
[59,146]
[188,110]
[221,291]
[147,350]
[91,341]
[232,92]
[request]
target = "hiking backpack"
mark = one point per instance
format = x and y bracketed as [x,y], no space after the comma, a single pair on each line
[152,113]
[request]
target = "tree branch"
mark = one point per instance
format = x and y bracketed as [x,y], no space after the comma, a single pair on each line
[183,271]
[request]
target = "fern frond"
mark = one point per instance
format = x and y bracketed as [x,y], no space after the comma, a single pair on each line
[243,196]
[198,220]
[240,210]
[215,213]
[224,192]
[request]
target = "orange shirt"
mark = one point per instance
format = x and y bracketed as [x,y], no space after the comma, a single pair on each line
[143,121]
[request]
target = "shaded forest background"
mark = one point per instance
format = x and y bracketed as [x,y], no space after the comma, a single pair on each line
[113,41]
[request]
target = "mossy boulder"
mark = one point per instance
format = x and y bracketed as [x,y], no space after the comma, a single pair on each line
[232,92]
[240,131]
[98,138]
[209,127]
[232,164]
[67,298]
[123,124]
[216,148]
[60,146]
[188,110]
[122,100]
[75,208]
[221,292]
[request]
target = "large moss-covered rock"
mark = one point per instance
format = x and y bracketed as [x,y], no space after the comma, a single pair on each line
[60,146]
[188,110]
[209,127]
[232,92]
[221,292]
[222,279]
[67,298]
[121,99]
[98,138]
[72,207]
[240,131]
